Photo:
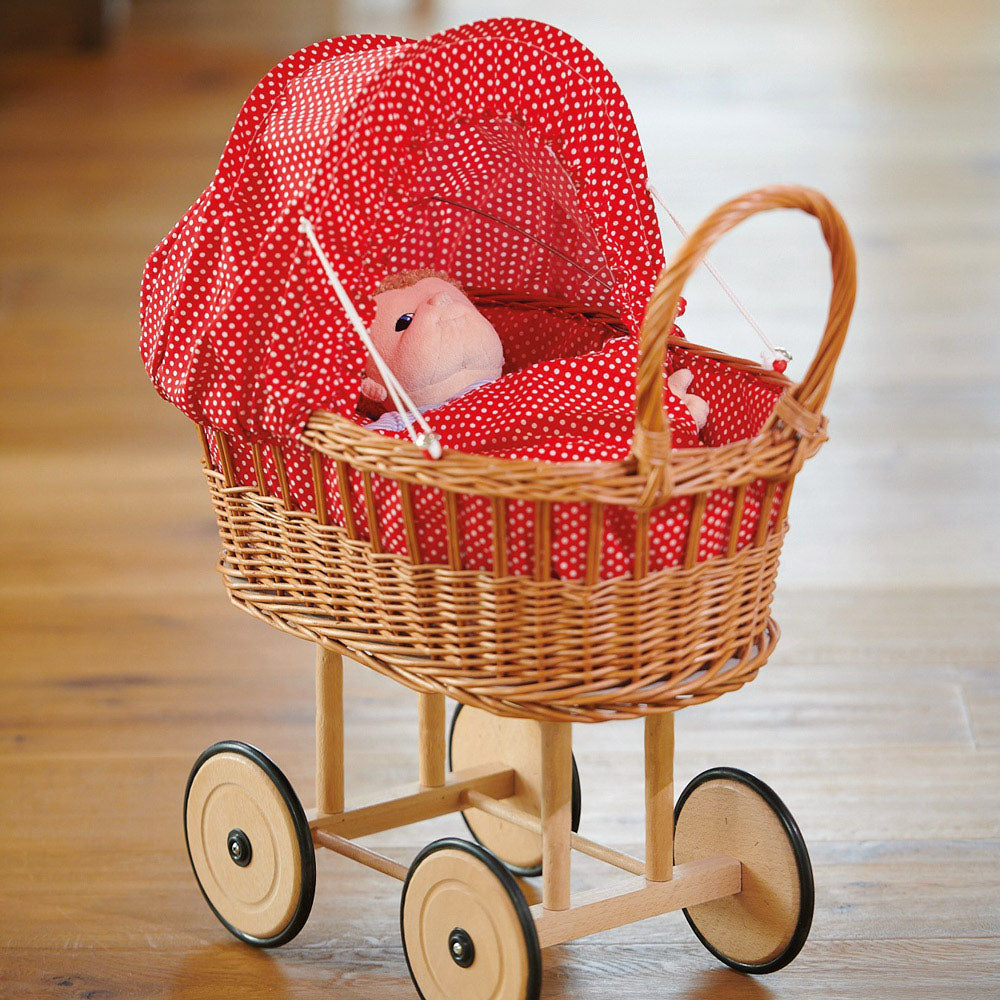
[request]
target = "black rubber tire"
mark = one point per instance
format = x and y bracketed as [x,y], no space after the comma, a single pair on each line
[506,880]
[804,865]
[576,808]
[302,832]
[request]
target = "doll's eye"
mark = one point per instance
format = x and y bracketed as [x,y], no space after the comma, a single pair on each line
[403,322]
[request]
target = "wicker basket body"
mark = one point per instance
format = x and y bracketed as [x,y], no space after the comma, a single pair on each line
[582,650]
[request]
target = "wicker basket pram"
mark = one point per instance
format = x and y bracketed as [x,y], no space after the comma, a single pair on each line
[534,647]
[433,154]
[513,609]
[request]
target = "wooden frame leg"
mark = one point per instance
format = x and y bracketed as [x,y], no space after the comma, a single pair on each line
[659,746]
[557,812]
[329,731]
[432,739]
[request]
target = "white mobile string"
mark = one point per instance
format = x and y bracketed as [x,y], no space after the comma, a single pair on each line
[428,440]
[774,352]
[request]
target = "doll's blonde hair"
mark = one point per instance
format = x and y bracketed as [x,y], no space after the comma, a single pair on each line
[404,279]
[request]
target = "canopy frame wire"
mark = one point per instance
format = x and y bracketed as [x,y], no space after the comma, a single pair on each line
[428,440]
[775,351]
[590,275]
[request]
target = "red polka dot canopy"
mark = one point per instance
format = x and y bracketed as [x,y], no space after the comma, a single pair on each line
[501,153]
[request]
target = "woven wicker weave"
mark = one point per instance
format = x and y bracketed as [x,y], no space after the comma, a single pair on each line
[584,650]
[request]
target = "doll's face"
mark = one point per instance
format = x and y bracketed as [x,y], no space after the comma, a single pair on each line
[434,340]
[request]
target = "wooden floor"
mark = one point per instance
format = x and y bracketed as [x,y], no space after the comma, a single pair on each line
[878,718]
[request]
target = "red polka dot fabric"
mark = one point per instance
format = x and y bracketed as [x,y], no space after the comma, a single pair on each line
[579,409]
[568,409]
[501,153]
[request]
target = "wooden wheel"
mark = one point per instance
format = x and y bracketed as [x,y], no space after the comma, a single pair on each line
[467,929]
[249,844]
[763,927]
[479,737]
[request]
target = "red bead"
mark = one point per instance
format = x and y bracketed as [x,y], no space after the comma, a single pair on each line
[779,365]
[681,306]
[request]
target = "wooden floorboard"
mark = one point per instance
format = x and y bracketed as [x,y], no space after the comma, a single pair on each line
[877,719]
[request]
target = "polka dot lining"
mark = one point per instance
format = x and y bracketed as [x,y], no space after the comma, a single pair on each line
[501,153]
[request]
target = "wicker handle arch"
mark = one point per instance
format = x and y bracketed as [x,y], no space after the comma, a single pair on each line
[651,446]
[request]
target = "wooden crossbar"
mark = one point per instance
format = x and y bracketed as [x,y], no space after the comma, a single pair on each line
[510,813]
[363,855]
[415,802]
[601,909]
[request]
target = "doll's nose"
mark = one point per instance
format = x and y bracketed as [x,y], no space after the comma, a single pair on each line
[449,309]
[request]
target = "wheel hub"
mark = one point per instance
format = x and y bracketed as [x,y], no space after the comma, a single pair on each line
[461,948]
[238,845]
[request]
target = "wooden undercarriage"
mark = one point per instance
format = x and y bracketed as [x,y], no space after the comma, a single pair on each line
[731,857]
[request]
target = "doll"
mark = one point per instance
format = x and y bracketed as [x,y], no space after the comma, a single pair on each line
[439,347]
[434,340]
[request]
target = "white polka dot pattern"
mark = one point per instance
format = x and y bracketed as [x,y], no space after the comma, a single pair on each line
[579,409]
[501,153]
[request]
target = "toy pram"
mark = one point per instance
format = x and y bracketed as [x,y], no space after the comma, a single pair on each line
[377,142]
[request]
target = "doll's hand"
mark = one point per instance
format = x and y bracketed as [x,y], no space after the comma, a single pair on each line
[678,384]
[372,389]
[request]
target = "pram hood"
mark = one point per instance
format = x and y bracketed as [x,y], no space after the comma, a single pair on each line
[501,152]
